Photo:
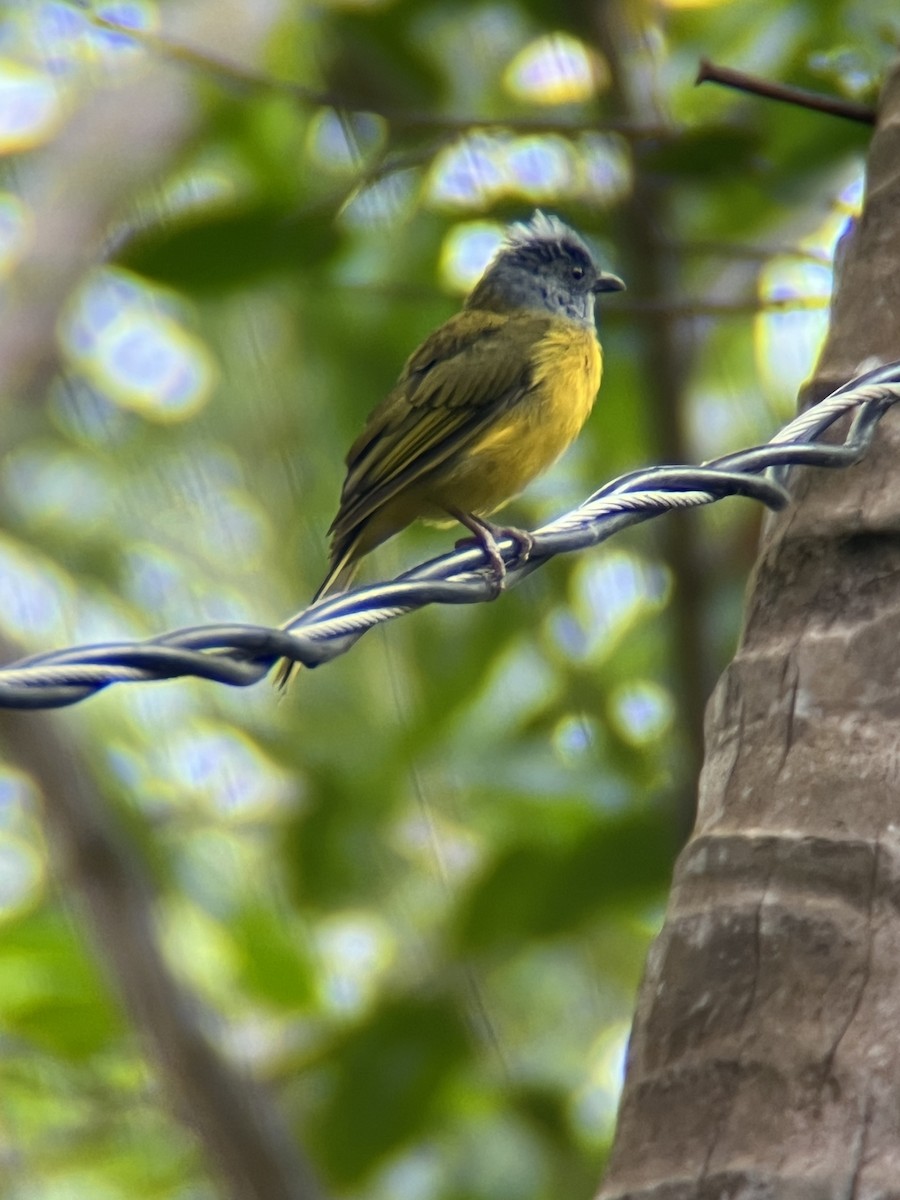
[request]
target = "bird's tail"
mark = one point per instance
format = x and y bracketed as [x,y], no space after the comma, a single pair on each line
[343,567]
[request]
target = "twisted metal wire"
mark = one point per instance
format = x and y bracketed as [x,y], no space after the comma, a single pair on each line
[241,655]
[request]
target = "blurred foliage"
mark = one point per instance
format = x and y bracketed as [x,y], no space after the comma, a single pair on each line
[417,892]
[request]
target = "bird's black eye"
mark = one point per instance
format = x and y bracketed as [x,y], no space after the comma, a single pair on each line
[577,272]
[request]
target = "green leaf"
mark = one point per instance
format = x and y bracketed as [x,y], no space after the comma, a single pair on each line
[536,891]
[275,964]
[706,152]
[390,1074]
[230,249]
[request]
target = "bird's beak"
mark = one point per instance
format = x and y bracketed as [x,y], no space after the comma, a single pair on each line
[608,283]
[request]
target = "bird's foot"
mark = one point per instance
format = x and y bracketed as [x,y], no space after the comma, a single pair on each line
[523,540]
[486,535]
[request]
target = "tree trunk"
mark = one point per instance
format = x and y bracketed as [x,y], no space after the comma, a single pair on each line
[765,1055]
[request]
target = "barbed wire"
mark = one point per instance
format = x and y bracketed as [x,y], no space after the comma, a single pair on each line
[241,655]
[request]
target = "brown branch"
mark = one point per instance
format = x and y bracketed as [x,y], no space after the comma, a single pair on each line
[832,105]
[246,1142]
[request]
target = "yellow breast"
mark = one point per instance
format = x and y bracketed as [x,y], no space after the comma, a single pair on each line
[531,435]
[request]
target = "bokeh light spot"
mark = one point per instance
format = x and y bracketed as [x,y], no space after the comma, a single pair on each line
[32,600]
[857,73]
[431,838]
[594,1107]
[540,167]
[383,203]
[228,772]
[121,336]
[70,41]
[466,251]
[556,69]
[642,711]
[482,169]
[200,945]
[344,142]
[155,578]
[130,14]
[59,30]
[417,1175]
[574,738]
[615,589]
[787,340]
[21,875]
[605,164]
[30,107]
[56,486]
[471,172]
[355,949]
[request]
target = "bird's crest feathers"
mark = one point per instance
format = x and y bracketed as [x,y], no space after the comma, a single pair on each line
[542,228]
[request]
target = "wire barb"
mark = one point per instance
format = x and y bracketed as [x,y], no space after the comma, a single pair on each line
[241,655]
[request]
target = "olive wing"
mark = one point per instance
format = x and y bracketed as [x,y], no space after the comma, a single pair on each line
[462,376]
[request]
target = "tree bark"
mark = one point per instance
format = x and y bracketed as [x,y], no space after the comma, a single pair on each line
[765,1054]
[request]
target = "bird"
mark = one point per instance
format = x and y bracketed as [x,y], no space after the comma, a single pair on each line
[487,402]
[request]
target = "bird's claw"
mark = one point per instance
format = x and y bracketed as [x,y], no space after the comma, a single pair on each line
[487,537]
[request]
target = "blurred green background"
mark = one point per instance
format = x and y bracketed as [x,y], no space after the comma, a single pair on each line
[414,896]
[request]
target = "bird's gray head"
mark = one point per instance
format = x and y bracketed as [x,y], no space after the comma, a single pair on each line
[543,266]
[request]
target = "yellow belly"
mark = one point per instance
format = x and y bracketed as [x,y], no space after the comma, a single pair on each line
[530,436]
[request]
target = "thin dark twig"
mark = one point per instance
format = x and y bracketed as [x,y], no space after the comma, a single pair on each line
[833,106]
[715,308]
[241,655]
[741,252]
[238,74]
